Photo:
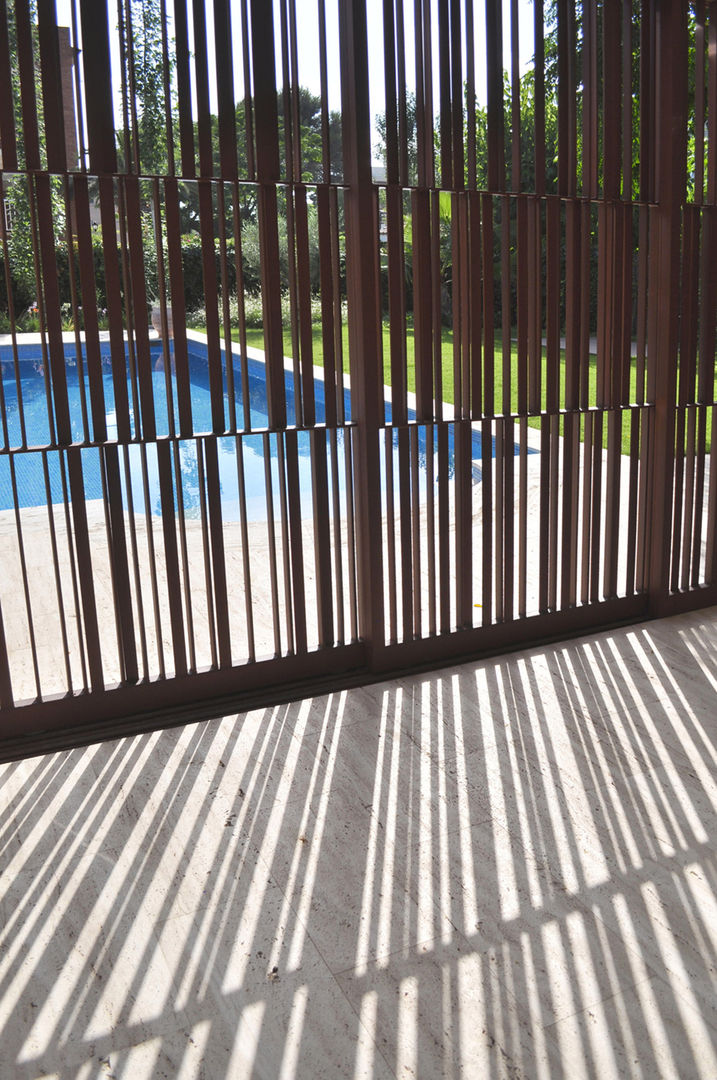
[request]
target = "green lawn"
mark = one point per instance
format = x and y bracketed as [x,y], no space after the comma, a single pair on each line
[255,338]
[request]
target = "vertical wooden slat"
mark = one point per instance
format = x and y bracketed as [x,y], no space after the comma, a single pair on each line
[98,90]
[8,139]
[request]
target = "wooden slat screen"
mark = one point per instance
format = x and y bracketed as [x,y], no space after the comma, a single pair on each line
[342,340]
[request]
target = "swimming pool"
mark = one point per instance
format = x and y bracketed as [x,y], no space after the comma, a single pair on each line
[26,410]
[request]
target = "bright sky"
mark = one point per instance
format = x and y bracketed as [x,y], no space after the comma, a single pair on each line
[308,34]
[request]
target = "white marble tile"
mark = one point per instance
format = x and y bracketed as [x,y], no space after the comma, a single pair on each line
[640,1032]
[271,1005]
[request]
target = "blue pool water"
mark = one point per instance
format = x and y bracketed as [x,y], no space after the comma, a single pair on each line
[30,406]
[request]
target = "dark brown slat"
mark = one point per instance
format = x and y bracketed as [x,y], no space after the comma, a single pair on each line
[246,565]
[628,45]
[75,307]
[271,533]
[209,281]
[544,503]
[225,90]
[612,502]
[326,166]
[571,492]
[328,302]
[694,550]
[84,562]
[98,91]
[530,331]
[117,541]
[488,308]
[460,289]
[642,306]
[406,559]
[206,554]
[509,519]
[611,101]
[436,306]
[351,540]
[201,90]
[525,243]
[687,456]
[552,305]
[271,304]
[52,104]
[711,537]
[708,313]
[24,575]
[463,438]
[284,523]
[241,312]
[422,305]
[505,304]
[295,117]
[554,507]
[539,108]
[523,518]
[712,106]
[130,116]
[152,558]
[226,313]
[139,299]
[184,550]
[248,96]
[52,307]
[28,98]
[171,556]
[338,544]
[137,577]
[476,287]
[431,529]
[216,527]
[322,536]
[496,118]
[176,283]
[89,302]
[304,298]
[515,178]
[391,636]
[585,326]
[700,101]
[470,97]
[605,300]
[166,80]
[184,90]
[586,515]
[596,516]
[647,90]
[417,628]
[8,140]
[263,67]
[499,564]
[458,149]
[632,502]
[298,591]
[444,565]
[56,573]
[114,306]
[74,572]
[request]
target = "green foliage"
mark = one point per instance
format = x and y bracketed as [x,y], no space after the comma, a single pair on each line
[147,78]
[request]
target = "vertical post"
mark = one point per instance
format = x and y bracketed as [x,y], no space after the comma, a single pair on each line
[670,170]
[364,335]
